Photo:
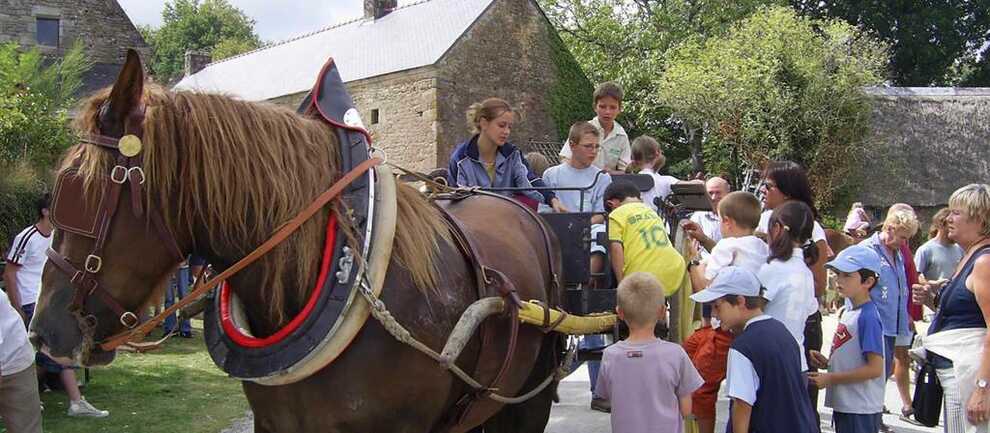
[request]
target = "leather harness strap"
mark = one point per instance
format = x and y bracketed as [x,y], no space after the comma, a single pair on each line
[488,279]
[126,169]
[283,233]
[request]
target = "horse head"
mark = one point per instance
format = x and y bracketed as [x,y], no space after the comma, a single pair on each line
[105,262]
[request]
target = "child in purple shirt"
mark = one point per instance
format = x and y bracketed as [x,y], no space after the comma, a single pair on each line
[647,380]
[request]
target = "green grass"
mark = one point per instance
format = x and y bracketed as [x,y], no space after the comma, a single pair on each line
[174,389]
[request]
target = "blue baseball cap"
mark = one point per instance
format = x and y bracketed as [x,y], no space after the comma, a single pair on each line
[854,258]
[731,280]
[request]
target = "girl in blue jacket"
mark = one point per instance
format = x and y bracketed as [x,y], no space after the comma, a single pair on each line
[487,159]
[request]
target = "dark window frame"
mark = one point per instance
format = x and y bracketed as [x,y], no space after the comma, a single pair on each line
[44,41]
[375,116]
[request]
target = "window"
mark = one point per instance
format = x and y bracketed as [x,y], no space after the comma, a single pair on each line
[374,116]
[48,31]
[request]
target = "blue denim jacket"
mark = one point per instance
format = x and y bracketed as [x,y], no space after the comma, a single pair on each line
[891,294]
[466,169]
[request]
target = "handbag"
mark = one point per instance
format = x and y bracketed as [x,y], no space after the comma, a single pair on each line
[927,402]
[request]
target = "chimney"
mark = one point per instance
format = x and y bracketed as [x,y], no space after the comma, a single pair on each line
[375,9]
[196,61]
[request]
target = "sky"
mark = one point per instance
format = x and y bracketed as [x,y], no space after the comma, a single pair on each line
[274,20]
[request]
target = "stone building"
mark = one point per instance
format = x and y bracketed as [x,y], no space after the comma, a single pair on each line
[414,70]
[53,26]
[926,143]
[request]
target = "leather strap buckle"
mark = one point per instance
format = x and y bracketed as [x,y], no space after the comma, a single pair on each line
[93,263]
[129,320]
[119,174]
[137,170]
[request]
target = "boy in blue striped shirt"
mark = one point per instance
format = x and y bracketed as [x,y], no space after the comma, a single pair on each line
[855,378]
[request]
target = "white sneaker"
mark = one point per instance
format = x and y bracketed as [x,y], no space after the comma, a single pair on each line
[83,408]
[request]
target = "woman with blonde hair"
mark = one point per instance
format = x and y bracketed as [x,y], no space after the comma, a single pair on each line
[892,295]
[957,338]
[488,160]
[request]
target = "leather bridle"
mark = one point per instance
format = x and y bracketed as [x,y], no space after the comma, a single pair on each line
[127,169]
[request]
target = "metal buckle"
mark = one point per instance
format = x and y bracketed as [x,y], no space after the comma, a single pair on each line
[344,266]
[138,170]
[129,320]
[121,171]
[93,263]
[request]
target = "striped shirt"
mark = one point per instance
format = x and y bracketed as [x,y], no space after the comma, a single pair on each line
[28,252]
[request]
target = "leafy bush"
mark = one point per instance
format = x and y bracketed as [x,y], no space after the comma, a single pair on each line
[20,189]
[36,94]
[780,86]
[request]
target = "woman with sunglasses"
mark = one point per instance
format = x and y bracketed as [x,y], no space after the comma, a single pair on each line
[786,181]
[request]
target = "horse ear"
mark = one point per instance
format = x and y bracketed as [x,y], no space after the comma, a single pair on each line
[128,88]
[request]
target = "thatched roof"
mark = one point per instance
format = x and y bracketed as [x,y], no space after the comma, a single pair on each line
[926,143]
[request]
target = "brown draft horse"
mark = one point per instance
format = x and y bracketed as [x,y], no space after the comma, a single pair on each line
[225,174]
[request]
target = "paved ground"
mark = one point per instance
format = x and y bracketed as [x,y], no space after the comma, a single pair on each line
[572,414]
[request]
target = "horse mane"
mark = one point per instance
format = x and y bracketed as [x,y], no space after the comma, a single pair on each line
[244,169]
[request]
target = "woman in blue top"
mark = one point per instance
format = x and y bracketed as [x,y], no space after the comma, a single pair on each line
[957,337]
[487,159]
[892,295]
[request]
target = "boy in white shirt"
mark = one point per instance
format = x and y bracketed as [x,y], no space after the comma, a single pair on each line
[614,154]
[740,214]
[709,346]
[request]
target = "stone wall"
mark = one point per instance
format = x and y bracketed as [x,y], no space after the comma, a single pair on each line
[507,54]
[421,113]
[406,107]
[100,24]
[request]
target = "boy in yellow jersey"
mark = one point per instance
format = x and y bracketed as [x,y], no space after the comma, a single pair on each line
[638,238]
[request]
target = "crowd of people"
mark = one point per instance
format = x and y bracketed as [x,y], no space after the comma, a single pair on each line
[760,269]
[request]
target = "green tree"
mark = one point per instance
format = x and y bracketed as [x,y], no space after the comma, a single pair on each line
[210,26]
[934,42]
[36,95]
[35,98]
[779,86]
[628,41]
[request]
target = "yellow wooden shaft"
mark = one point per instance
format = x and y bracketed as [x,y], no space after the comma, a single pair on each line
[532,313]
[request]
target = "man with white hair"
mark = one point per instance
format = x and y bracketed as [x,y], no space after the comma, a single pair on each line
[704,227]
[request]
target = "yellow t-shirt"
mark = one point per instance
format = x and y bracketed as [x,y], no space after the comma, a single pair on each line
[645,244]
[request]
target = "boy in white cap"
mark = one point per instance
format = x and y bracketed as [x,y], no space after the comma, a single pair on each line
[855,378]
[764,380]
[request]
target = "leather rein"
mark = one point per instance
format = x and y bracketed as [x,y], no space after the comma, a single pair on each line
[129,169]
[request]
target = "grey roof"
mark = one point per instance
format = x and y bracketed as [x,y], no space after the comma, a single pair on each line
[412,36]
[100,75]
[925,144]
